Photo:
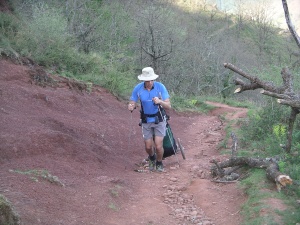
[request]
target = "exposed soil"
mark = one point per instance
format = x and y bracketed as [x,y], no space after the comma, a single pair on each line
[88,145]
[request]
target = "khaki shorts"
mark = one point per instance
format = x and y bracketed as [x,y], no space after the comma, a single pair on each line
[151,128]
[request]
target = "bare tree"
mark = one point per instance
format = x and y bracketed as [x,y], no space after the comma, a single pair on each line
[98,25]
[156,34]
[82,23]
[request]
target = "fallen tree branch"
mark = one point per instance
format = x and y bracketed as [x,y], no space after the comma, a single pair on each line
[220,172]
[222,181]
[234,163]
[272,169]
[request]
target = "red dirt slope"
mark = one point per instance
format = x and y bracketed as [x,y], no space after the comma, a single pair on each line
[91,144]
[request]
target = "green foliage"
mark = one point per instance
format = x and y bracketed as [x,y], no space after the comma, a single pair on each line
[9,25]
[8,29]
[282,166]
[115,77]
[255,186]
[44,37]
[7,212]
[270,73]
[291,166]
[113,206]
[35,174]
[291,216]
[60,38]
[114,192]
[262,122]
[296,139]
[263,133]
[279,130]
[184,103]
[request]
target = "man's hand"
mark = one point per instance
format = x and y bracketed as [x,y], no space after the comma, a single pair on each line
[166,103]
[156,100]
[131,106]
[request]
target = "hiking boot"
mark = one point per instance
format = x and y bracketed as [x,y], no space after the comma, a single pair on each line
[152,165]
[152,162]
[160,167]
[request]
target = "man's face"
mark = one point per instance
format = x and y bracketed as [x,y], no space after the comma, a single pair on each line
[149,84]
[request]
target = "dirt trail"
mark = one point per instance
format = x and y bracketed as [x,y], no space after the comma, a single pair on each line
[88,145]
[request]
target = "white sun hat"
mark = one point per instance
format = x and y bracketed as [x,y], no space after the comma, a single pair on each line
[147,74]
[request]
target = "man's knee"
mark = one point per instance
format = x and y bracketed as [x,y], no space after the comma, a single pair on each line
[148,144]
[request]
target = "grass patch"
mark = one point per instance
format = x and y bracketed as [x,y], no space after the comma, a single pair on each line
[8,216]
[114,192]
[259,210]
[253,186]
[183,103]
[35,175]
[113,206]
[229,101]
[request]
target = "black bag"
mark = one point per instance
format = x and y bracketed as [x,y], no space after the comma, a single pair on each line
[169,143]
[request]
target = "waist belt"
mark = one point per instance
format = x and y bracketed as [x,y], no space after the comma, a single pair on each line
[157,116]
[151,115]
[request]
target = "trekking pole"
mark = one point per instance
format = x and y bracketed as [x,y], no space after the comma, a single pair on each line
[168,134]
[130,126]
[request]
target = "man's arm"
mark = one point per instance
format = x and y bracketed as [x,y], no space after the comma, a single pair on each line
[166,104]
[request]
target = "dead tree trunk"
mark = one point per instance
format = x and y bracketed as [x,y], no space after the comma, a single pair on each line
[234,163]
[272,169]
[289,23]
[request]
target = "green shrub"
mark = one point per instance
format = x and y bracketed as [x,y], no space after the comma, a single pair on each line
[9,24]
[261,123]
[8,216]
[44,37]
[185,103]
[8,29]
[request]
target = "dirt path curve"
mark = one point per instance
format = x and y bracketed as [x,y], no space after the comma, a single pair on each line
[185,194]
[67,157]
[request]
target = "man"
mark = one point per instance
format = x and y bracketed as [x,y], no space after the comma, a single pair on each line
[153,95]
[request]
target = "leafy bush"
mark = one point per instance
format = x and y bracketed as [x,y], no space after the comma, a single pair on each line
[263,122]
[184,103]
[44,37]
[8,29]
[8,215]
[8,24]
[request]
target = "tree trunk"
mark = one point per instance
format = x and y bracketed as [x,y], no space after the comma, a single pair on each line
[234,163]
[289,23]
[292,119]
[272,169]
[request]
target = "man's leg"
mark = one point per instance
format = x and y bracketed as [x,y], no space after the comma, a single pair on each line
[160,153]
[159,148]
[151,153]
[160,132]
[148,147]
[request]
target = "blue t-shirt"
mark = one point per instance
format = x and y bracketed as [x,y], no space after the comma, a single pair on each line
[145,96]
